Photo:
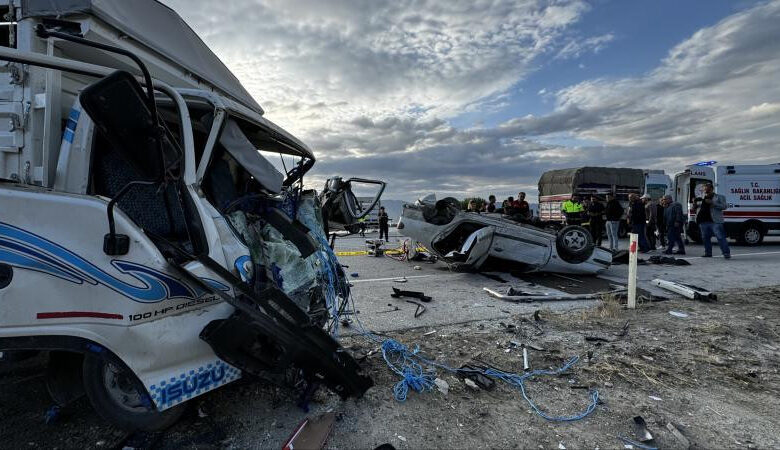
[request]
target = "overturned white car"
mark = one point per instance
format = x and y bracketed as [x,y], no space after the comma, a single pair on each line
[472,241]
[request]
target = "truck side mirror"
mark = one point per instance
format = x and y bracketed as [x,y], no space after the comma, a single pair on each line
[120,110]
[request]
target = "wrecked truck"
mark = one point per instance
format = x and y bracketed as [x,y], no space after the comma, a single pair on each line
[147,245]
[474,241]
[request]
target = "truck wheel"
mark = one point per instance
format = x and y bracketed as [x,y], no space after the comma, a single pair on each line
[751,234]
[574,244]
[115,394]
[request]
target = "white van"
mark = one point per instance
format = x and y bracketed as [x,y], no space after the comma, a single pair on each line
[752,193]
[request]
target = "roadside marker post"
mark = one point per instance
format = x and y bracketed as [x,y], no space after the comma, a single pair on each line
[632,259]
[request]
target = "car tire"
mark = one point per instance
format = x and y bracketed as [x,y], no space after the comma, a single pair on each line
[115,394]
[574,244]
[751,234]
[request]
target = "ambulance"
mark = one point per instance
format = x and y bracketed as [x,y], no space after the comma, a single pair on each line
[752,193]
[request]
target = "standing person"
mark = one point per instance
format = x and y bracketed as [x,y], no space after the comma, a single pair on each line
[652,220]
[638,221]
[362,225]
[596,214]
[661,221]
[572,210]
[472,207]
[491,206]
[674,221]
[523,209]
[383,223]
[709,217]
[509,206]
[614,214]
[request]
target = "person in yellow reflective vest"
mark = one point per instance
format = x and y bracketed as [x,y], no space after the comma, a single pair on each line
[362,225]
[573,210]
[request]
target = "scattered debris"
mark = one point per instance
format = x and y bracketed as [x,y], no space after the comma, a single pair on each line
[475,373]
[630,443]
[311,433]
[686,290]
[429,333]
[653,397]
[442,386]
[417,268]
[401,438]
[668,260]
[420,308]
[561,446]
[397,293]
[678,435]
[524,297]
[401,280]
[471,384]
[51,415]
[354,275]
[678,314]
[640,429]
[526,365]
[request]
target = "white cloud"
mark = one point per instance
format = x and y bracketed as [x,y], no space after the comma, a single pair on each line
[575,47]
[371,86]
[715,96]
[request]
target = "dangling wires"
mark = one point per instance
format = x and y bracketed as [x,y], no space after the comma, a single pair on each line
[409,365]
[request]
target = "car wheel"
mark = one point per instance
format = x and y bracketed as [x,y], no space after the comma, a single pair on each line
[116,395]
[574,244]
[751,234]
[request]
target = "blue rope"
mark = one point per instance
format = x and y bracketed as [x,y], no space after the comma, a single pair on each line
[409,365]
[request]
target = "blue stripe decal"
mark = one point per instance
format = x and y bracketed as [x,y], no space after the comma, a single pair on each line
[70,126]
[20,248]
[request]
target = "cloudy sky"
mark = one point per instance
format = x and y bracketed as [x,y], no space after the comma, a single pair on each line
[471,97]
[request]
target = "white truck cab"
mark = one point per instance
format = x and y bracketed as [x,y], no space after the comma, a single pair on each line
[752,193]
[146,243]
[657,183]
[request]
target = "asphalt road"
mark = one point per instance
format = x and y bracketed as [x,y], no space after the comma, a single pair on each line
[460,298]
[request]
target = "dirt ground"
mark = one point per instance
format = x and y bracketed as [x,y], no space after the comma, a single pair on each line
[712,374]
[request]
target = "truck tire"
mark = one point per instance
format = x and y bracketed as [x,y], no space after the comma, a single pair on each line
[574,244]
[751,233]
[114,393]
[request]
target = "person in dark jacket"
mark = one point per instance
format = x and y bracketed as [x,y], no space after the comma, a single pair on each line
[522,206]
[674,221]
[491,205]
[709,217]
[661,222]
[614,214]
[637,219]
[596,219]
[383,224]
